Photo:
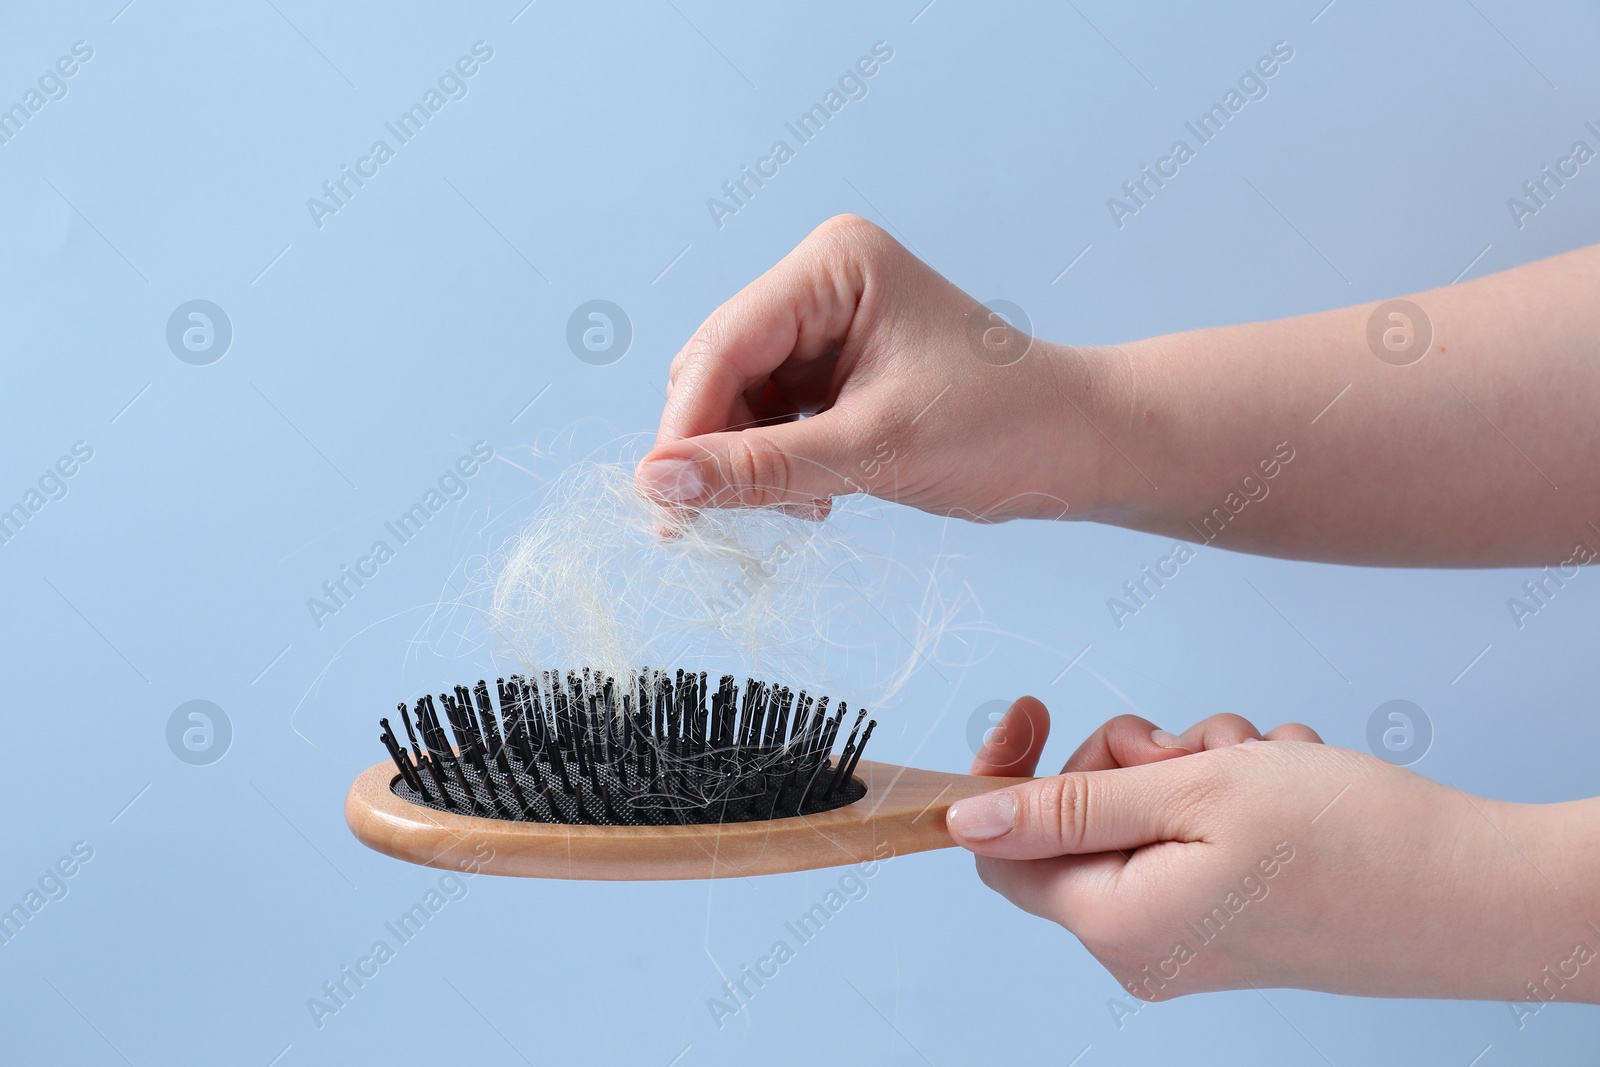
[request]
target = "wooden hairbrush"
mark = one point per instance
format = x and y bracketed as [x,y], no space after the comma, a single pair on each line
[654,777]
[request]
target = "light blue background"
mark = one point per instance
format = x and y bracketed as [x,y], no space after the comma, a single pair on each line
[431,310]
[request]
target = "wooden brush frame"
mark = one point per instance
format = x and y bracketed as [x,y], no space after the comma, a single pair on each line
[904,808]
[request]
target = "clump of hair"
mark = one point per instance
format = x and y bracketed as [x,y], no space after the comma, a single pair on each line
[591,582]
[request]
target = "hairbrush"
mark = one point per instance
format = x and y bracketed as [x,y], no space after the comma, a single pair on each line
[648,777]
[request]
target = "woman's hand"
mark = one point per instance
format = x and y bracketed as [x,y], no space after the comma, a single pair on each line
[923,396]
[915,393]
[1226,858]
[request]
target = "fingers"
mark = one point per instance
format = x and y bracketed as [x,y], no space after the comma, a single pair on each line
[1132,741]
[1125,741]
[1293,731]
[728,435]
[1122,790]
[1219,731]
[1013,746]
[1071,814]
[794,314]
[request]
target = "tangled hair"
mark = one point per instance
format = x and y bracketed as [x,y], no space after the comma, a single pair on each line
[600,578]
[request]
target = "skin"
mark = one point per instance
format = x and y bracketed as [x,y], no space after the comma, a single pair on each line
[1478,452]
[1393,885]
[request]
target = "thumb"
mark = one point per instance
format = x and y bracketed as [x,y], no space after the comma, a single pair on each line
[798,463]
[1077,814]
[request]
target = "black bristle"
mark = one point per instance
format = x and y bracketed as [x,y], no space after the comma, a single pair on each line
[700,705]
[781,699]
[807,728]
[850,771]
[777,797]
[745,709]
[657,708]
[583,809]
[719,716]
[514,719]
[504,763]
[416,751]
[849,750]
[550,802]
[480,765]
[804,720]
[531,768]
[651,749]
[486,719]
[434,754]
[569,726]
[812,778]
[671,720]
[533,714]
[802,714]
[468,757]
[772,731]
[440,752]
[405,717]
[639,730]
[552,753]
[830,730]
[458,706]
[398,754]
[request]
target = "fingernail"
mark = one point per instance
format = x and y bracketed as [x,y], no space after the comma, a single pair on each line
[1248,740]
[1166,740]
[984,817]
[676,481]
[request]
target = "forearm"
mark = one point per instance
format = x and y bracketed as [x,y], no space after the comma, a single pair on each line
[1556,850]
[1482,452]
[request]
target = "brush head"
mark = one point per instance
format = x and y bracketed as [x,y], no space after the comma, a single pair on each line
[650,749]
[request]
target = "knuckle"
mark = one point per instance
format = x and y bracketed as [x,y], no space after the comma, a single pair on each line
[1232,723]
[1224,729]
[757,472]
[853,235]
[847,227]
[1075,814]
[1061,807]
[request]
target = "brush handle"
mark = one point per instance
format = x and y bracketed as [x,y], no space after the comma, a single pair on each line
[902,812]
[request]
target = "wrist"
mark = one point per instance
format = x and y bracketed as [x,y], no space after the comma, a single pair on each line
[1451,896]
[1083,401]
[1165,437]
